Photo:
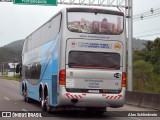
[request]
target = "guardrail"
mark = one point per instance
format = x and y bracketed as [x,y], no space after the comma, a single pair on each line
[149,100]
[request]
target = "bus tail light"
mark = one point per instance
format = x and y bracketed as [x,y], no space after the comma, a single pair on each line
[62,77]
[124,78]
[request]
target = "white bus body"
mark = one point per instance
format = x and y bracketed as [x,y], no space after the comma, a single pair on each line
[78,59]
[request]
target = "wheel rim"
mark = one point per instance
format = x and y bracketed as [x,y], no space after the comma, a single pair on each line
[24,95]
[43,106]
[47,103]
[42,100]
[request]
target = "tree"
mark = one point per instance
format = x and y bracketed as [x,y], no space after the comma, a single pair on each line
[149,45]
[157,67]
[146,68]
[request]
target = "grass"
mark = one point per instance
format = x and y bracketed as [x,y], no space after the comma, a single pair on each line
[147,86]
[15,78]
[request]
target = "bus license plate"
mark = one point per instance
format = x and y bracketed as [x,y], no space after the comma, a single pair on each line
[93,91]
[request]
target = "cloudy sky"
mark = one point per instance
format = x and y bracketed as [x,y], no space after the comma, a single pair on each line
[18,21]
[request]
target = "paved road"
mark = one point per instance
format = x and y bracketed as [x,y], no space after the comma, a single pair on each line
[11,100]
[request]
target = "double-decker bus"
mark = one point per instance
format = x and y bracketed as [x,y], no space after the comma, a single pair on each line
[76,59]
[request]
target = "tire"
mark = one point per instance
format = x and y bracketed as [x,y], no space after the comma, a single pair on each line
[48,107]
[25,95]
[42,101]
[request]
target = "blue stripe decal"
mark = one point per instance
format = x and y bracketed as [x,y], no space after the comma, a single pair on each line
[48,56]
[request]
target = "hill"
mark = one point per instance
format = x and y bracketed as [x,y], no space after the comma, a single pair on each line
[11,52]
[16,45]
[138,44]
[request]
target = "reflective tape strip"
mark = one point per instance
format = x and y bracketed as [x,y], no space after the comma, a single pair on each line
[115,97]
[68,95]
[76,96]
[80,96]
[107,97]
[72,96]
[112,97]
[119,96]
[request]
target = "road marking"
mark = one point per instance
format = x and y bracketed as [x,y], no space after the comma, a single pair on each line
[6,98]
[13,84]
[25,110]
[10,83]
[135,118]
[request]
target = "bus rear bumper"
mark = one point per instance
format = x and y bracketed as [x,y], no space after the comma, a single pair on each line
[91,99]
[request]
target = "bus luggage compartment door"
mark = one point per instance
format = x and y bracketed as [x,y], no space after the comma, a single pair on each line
[93,81]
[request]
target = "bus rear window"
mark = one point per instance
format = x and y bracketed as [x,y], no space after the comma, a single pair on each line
[95,23]
[94,60]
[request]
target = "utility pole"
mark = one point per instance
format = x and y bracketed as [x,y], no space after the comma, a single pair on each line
[129,12]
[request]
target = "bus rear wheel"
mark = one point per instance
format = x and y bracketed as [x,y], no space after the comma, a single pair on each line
[48,107]
[42,101]
[25,95]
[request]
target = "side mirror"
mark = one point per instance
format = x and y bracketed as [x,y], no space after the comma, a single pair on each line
[17,68]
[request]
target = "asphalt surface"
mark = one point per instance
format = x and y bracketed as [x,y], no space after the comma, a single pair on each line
[11,100]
